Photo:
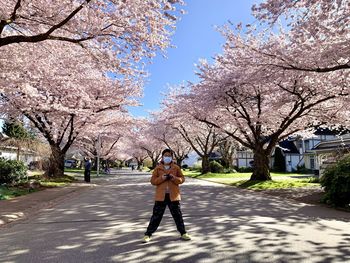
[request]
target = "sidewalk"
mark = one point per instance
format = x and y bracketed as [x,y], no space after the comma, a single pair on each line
[23,206]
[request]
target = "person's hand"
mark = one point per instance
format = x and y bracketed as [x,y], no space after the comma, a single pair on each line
[164,177]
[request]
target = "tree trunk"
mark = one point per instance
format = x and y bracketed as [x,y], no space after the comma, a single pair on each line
[154,163]
[205,164]
[179,160]
[94,163]
[139,164]
[56,162]
[225,162]
[261,169]
[18,153]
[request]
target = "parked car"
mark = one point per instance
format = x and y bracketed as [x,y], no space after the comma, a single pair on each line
[70,164]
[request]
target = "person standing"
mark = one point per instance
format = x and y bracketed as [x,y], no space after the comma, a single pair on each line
[167,177]
[87,170]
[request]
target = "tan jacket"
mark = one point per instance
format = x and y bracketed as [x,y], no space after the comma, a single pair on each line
[161,184]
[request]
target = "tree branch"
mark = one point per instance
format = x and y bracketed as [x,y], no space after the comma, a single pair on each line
[43,36]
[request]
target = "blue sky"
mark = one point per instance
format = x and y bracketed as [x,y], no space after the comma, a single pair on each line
[195,38]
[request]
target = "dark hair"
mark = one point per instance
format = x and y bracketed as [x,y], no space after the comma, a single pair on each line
[167,151]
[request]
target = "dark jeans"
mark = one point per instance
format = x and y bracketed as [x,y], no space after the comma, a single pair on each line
[158,211]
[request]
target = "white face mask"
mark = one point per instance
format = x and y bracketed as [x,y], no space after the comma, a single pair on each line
[167,159]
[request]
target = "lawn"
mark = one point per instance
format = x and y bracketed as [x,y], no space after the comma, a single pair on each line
[78,171]
[37,179]
[280,180]
[11,192]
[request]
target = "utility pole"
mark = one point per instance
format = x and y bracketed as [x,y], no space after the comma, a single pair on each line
[98,148]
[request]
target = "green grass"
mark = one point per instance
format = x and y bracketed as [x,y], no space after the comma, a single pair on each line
[11,192]
[197,174]
[280,180]
[57,181]
[264,185]
[23,188]
[78,171]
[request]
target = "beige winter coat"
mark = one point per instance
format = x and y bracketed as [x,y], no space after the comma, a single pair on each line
[172,185]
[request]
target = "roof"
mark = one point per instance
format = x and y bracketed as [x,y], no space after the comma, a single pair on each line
[331,145]
[288,146]
[326,131]
[7,148]
[3,136]
[215,156]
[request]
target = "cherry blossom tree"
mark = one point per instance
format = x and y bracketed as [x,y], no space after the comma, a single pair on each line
[103,138]
[143,139]
[137,153]
[316,40]
[178,114]
[169,138]
[63,98]
[112,28]
[317,34]
[258,104]
[228,148]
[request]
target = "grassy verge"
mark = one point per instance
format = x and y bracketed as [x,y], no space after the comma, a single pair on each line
[281,180]
[35,183]
[78,171]
[11,192]
[281,184]
[56,182]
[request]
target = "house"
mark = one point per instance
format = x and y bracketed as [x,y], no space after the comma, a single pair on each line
[297,151]
[292,155]
[327,152]
[194,159]
[26,156]
[244,158]
[10,152]
[191,160]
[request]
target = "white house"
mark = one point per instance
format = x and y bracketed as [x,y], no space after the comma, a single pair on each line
[327,152]
[191,160]
[11,152]
[296,150]
[244,158]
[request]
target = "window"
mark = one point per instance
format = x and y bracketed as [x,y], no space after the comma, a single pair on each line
[312,163]
[307,145]
[299,143]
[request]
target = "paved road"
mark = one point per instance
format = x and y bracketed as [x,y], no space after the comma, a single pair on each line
[106,224]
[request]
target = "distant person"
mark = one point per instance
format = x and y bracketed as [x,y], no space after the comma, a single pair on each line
[107,170]
[167,177]
[87,169]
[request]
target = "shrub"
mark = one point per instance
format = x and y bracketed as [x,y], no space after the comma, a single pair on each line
[336,183]
[39,165]
[11,171]
[280,161]
[301,169]
[185,166]
[197,166]
[229,170]
[216,167]
[245,169]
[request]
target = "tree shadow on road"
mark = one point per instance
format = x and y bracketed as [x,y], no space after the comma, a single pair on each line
[227,225]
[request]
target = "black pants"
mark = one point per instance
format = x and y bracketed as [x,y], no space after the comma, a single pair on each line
[87,176]
[158,211]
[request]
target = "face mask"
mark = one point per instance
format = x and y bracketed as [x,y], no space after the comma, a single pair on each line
[167,160]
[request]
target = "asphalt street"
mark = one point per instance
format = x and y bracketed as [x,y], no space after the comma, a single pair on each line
[107,223]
